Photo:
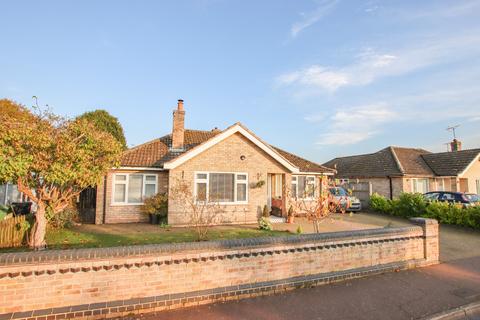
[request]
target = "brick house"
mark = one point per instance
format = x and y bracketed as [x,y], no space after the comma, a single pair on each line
[394,170]
[245,173]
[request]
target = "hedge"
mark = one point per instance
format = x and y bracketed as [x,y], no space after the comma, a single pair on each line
[409,205]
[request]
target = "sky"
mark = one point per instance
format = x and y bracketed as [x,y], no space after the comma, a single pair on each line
[321,79]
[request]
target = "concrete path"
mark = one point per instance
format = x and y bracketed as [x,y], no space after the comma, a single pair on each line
[412,294]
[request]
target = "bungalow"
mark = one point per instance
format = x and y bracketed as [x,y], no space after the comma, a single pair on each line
[394,170]
[243,171]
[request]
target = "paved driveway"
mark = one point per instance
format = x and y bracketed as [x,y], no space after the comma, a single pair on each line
[408,294]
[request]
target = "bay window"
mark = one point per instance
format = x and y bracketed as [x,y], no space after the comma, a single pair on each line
[303,187]
[221,187]
[133,188]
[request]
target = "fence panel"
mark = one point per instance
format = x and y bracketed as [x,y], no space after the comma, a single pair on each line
[12,231]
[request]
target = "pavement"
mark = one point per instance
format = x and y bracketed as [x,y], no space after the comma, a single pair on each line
[442,291]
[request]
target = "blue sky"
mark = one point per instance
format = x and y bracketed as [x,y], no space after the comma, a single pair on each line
[318,78]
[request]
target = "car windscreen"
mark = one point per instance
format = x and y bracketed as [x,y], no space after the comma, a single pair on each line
[339,192]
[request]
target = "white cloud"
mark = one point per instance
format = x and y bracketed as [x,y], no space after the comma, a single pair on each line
[369,65]
[316,76]
[324,8]
[356,124]
[344,138]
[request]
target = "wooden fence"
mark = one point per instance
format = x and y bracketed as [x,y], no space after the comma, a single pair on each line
[13,231]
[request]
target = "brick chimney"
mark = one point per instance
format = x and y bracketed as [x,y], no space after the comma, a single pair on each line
[455,145]
[178,131]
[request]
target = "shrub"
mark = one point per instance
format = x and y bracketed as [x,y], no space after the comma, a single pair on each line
[264,224]
[156,205]
[290,212]
[409,205]
[380,203]
[265,212]
[414,205]
[299,230]
[63,219]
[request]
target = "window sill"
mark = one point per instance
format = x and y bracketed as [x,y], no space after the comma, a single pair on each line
[121,204]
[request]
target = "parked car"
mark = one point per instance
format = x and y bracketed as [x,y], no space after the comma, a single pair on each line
[473,197]
[347,201]
[465,199]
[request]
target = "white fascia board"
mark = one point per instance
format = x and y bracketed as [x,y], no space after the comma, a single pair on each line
[222,136]
[139,168]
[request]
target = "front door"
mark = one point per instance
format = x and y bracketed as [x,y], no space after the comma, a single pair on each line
[275,193]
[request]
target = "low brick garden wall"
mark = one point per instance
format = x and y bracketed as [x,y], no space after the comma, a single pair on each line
[113,282]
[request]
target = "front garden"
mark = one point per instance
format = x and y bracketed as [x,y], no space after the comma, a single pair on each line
[409,205]
[99,236]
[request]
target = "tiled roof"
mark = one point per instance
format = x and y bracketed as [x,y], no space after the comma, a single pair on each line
[411,161]
[156,152]
[450,163]
[303,164]
[378,164]
[398,161]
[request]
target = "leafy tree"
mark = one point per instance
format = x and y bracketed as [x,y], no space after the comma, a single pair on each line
[108,123]
[52,159]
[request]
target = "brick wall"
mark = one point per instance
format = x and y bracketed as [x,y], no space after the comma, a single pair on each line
[108,282]
[225,157]
[123,213]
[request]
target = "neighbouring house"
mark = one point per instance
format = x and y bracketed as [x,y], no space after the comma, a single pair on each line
[9,193]
[244,172]
[394,170]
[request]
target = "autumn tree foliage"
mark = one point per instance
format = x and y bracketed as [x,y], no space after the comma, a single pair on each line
[52,159]
[106,122]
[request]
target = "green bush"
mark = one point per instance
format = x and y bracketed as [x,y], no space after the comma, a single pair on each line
[264,224]
[414,205]
[409,205]
[380,203]
[156,204]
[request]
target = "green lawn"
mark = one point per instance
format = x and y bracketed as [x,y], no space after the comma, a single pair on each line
[96,236]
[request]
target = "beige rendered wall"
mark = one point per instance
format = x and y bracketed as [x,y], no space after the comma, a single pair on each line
[226,157]
[472,174]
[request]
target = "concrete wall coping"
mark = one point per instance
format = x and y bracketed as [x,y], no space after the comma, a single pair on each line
[35,257]
[423,221]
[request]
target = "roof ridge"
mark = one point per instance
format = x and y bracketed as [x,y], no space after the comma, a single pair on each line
[459,151]
[297,156]
[146,143]
[397,161]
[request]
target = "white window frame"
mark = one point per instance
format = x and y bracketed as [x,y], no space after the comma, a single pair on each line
[295,182]
[144,182]
[415,181]
[235,182]
[477,182]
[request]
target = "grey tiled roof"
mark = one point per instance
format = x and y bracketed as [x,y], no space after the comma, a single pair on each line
[398,161]
[450,163]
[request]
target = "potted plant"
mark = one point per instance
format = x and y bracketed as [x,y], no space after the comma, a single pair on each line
[290,215]
[156,207]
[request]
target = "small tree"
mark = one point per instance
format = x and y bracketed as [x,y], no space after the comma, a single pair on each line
[104,121]
[202,213]
[156,205]
[318,208]
[51,159]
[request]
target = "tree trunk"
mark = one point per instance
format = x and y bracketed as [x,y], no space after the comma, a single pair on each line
[37,236]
